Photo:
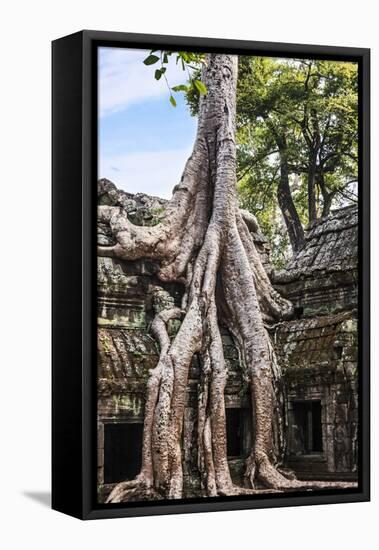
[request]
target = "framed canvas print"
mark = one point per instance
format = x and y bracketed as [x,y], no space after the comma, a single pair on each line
[210,274]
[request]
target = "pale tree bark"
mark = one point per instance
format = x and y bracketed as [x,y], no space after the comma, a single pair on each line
[204,243]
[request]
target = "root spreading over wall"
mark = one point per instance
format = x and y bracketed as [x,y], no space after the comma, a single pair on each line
[203,242]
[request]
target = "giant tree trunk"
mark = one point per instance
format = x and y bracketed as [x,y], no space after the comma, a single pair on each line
[284,195]
[327,196]
[312,209]
[204,242]
[288,209]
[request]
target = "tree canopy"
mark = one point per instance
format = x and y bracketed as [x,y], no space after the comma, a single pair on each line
[297,138]
[297,134]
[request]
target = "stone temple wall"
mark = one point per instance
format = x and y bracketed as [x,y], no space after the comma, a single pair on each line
[127,303]
[323,277]
[317,351]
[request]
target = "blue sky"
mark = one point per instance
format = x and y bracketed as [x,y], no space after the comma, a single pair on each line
[144,142]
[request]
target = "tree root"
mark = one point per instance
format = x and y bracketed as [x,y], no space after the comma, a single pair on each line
[204,241]
[130,491]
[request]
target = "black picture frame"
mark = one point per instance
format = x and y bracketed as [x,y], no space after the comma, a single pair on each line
[74,175]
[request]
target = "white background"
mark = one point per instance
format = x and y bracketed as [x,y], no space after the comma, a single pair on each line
[26,31]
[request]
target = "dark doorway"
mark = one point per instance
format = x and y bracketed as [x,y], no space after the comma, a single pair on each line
[307,427]
[316,427]
[122,451]
[234,435]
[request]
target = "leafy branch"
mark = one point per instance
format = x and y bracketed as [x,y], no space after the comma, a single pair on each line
[188,60]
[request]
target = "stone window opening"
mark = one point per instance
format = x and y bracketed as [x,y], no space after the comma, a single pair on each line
[306,428]
[298,310]
[238,432]
[122,451]
[338,350]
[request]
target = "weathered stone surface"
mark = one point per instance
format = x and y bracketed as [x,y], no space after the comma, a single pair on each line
[319,361]
[322,277]
[331,244]
[317,350]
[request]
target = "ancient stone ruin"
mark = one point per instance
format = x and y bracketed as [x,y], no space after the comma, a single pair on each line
[317,351]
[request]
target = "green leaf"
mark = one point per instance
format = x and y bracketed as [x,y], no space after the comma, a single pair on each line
[180,88]
[200,87]
[151,59]
[172,101]
[165,58]
[158,74]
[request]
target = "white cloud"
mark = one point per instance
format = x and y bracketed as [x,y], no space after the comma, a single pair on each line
[124,79]
[153,173]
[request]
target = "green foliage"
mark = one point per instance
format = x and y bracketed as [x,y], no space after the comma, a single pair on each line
[200,87]
[296,113]
[287,111]
[180,88]
[263,203]
[189,62]
[159,72]
[193,96]
[151,59]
